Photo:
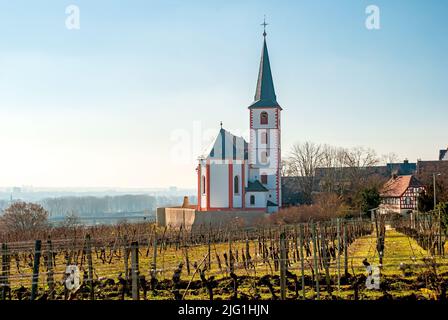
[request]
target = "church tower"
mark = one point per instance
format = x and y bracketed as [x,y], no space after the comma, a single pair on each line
[265,133]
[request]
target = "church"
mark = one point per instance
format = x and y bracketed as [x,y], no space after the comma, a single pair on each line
[234,175]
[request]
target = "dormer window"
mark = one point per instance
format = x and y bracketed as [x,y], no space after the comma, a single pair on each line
[264,118]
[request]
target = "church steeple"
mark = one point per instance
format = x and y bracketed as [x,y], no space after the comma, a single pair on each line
[265,93]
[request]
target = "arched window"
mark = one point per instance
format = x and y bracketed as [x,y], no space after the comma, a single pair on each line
[252,200]
[236,185]
[264,118]
[203,185]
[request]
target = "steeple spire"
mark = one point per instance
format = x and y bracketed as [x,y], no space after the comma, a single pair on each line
[265,92]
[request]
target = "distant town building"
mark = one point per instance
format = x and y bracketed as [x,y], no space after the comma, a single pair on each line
[400,194]
[426,170]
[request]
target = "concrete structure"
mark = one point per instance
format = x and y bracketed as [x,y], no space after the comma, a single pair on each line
[190,218]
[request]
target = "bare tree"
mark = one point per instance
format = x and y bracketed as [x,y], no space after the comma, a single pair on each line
[71,220]
[24,217]
[332,174]
[303,161]
[359,160]
[390,157]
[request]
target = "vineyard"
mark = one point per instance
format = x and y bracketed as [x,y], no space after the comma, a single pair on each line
[339,259]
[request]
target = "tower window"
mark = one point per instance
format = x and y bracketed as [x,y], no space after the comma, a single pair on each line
[236,185]
[264,179]
[203,185]
[264,138]
[264,157]
[264,118]
[252,200]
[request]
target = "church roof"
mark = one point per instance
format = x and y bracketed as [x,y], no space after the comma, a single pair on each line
[265,92]
[227,146]
[255,186]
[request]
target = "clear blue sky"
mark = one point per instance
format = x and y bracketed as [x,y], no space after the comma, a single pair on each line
[103,105]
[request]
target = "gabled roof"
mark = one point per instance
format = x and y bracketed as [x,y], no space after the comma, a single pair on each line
[226,146]
[255,186]
[265,93]
[397,186]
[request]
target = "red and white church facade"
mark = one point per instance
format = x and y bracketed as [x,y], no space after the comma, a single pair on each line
[241,176]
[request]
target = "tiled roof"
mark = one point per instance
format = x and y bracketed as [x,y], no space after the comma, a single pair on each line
[397,186]
[255,186]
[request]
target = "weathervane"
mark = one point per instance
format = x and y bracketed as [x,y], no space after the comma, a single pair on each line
[264,24]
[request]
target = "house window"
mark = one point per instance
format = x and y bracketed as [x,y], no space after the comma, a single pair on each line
[408,201]
[264,118]
[264,138]
[203,185]
[236,185]
[252,200]
[264,179]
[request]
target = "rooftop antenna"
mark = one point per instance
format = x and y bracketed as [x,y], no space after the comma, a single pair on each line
[264,24]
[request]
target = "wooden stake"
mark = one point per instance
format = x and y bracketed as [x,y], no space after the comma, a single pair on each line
[35,279]
[90,266]
[316,267]
[345,250]
[283,266]
[50,273]
[302,260]
[5,269]
[338,235]
[134,270]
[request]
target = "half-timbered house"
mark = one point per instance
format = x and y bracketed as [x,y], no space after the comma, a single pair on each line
[400,194]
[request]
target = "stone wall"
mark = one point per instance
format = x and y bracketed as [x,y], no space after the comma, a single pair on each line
[190,218]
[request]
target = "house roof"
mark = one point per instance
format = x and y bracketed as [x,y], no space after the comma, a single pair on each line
[255,186]
[271,204]
[265,92]
[398,185]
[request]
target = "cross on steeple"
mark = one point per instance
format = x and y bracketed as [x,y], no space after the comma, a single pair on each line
[264,24]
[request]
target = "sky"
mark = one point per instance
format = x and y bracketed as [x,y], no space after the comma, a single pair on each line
[132,97]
